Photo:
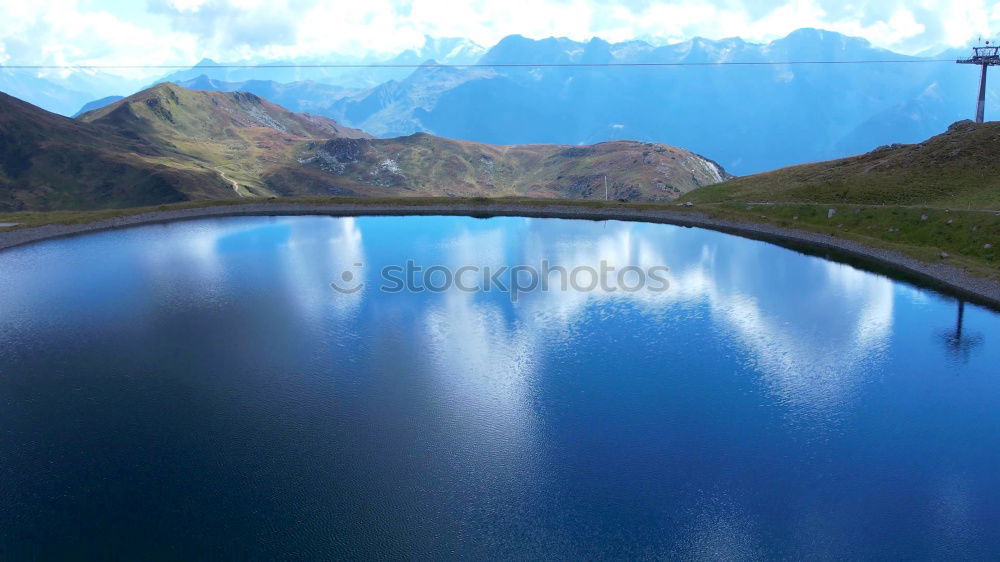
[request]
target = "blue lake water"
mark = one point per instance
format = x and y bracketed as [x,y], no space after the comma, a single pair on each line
[199,390]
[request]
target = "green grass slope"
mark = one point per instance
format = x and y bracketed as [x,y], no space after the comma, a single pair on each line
[50,162]
[422,164]
[938,200]
[960,168]
[236,134]
[168,144]
[172,111]
[270,151]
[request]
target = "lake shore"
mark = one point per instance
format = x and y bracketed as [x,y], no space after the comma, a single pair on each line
[938,276]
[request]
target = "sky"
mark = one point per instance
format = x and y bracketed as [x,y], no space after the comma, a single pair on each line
[136,32]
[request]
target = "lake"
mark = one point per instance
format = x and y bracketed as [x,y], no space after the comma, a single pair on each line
[200,390]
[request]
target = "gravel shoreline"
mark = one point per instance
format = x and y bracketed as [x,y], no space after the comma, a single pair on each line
[937,276]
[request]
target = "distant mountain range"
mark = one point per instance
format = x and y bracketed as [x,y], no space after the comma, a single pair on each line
[748,118]
[66,93]
[448,50]
[168,144]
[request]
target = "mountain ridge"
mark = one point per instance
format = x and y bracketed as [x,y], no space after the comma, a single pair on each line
[750,119]
[237,144]
[48,161]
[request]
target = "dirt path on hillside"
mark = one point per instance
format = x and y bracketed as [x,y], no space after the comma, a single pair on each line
[236,185]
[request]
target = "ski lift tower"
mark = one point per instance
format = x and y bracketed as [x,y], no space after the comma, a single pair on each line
[985,57]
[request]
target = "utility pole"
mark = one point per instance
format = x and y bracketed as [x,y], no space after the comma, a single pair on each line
[605,188]
[985,57]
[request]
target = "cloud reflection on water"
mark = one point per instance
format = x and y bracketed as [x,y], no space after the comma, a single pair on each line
[811,345]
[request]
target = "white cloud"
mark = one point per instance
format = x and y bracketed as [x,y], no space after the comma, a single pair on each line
[62,32]
[184,31]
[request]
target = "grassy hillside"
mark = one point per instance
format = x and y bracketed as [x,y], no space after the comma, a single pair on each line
[169,144]
[937,200]
[240,136]
[52,162]
[269,151]
[172,111]
[428,165]
[960,168]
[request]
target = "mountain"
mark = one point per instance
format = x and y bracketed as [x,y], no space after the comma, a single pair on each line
[424,164]
[303,97]
[239,135]
[63,92]
[66,93]
[52,162]
[334,68]
[750,118]
[393,108]
[168,144]
[97,104]
[42,92]
[959,168]
[393,100]
[949,95]
[168,111]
